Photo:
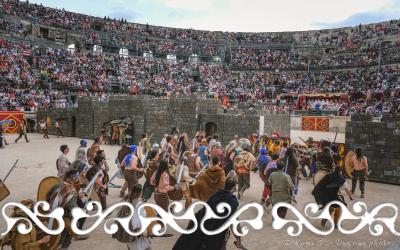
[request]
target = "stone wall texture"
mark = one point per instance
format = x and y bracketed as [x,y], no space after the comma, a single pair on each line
[158,116]
[380,142]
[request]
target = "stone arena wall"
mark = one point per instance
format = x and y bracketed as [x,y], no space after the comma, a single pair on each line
[380,142]
[158,116]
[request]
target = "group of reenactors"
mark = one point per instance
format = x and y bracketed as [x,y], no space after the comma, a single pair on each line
[180,169]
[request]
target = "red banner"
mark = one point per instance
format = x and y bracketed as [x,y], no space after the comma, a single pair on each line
[10,120]
[315,123]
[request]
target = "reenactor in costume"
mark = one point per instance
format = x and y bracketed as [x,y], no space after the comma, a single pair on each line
[275,147]
[230,154]
[150,169]
[292,166]
[183,145]
[144,145]
[62,162]
[193,162]
[80,153]
[22,131]
[2,138]
[244,162]
[104,164]
[218,152]
[59,129]
[184,182]
[20,241]
[161,181]
[100,184]
[131,166]
[310,143]
[124,151]
[332,188]
[360,171]
[122,138]
[92,151]
[198,239]
[324,163]
[141,242]
[115,134]
[67,191]
[44,129]
[210,181]
[281,186]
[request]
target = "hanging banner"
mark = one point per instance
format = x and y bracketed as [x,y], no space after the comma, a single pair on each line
[10,120]
[316,123]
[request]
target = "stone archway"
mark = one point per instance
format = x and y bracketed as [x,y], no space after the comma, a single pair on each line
[211,128]
[119,131]
[31,125]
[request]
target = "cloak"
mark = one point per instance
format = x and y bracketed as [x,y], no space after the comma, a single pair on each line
[207,183]
[327,189]
[198,240]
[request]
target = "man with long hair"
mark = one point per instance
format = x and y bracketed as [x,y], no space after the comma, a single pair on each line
[360,166]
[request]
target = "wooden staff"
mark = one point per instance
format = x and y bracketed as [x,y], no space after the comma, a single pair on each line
[11,169]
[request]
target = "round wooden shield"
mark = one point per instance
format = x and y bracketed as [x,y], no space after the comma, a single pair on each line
[187,154]
[349,164]
[4,192]
[45,185]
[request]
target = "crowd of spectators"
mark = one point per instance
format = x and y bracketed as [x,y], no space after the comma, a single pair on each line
[74,21]
[257,59]
[33,77]
[357,46]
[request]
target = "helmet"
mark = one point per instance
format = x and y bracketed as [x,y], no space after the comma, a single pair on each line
[263,151]
[133,148]
[83,143]
[155,146]
[245,144]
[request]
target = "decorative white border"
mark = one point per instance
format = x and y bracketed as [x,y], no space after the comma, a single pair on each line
[177,213]
[24,225]
[364,218]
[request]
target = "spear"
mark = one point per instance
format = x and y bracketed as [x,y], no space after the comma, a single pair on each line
[11,169]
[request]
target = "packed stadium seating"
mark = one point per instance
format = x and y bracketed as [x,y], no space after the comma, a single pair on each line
[348,70]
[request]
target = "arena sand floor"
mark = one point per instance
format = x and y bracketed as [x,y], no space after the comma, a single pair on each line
[37,160]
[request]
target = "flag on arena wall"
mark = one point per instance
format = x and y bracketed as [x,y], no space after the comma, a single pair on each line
[10,120]
[312,123]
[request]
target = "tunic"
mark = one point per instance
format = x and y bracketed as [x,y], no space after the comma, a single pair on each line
[280,184]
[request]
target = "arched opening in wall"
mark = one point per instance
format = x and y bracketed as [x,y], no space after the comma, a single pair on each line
[31,125]
[211,129]
[118,131]
[73,126]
